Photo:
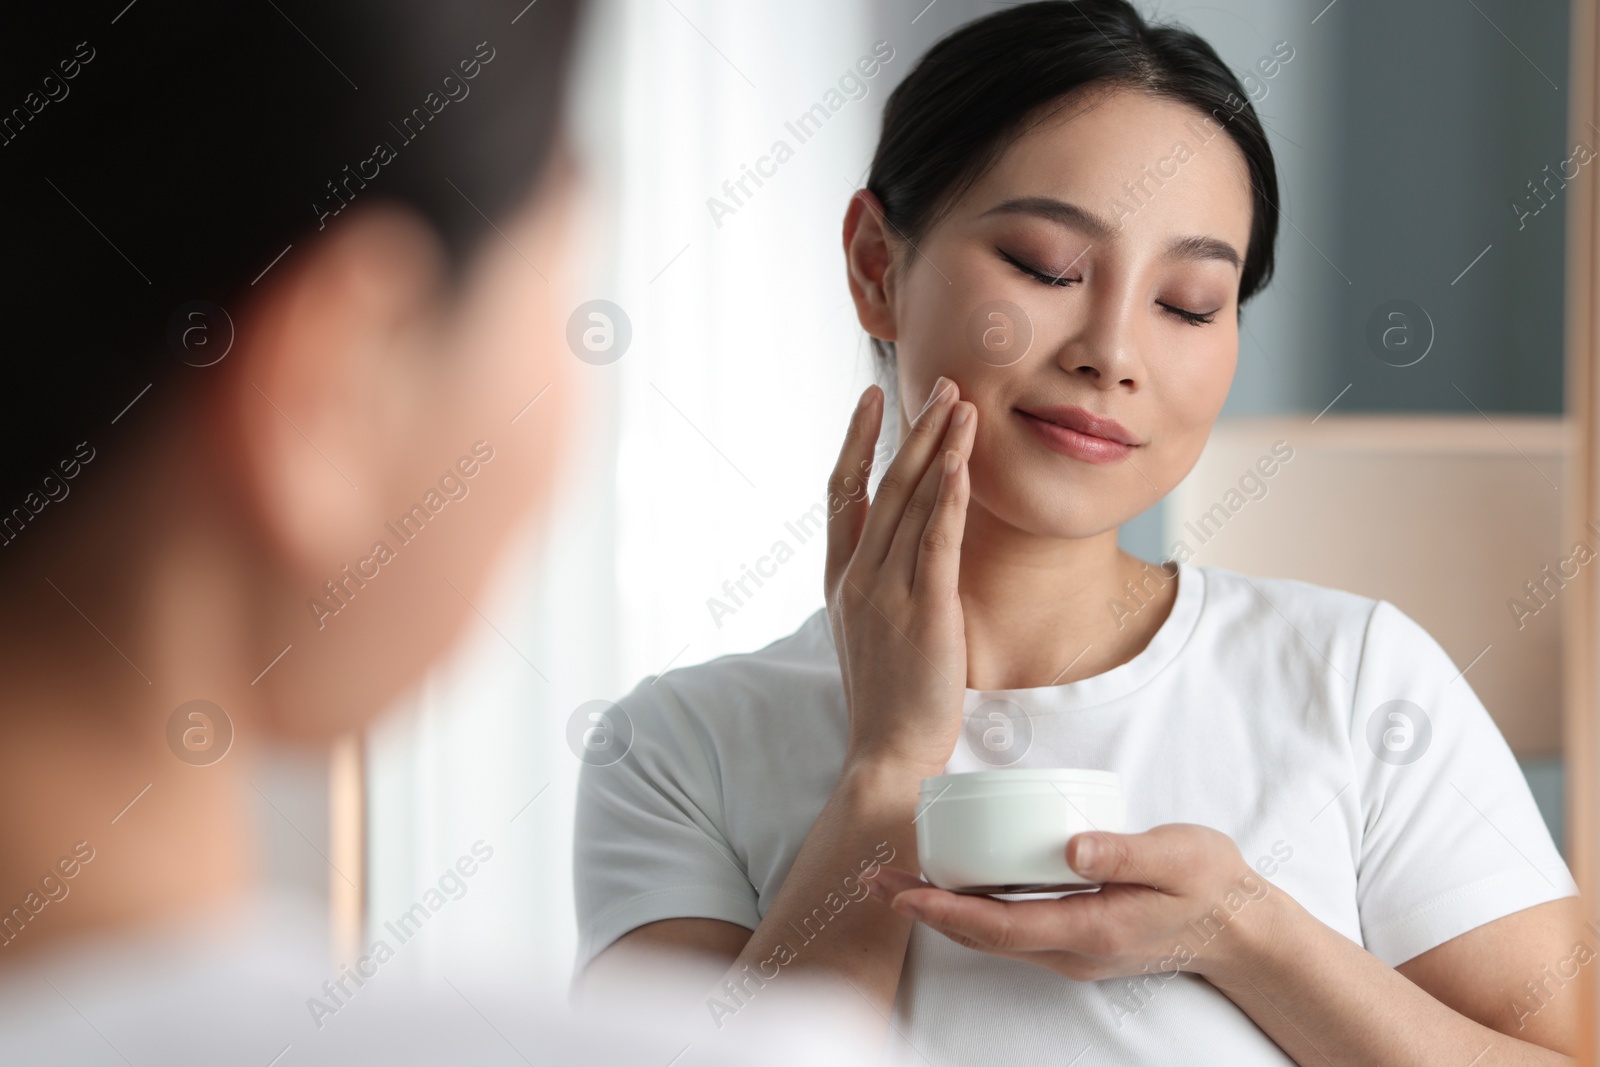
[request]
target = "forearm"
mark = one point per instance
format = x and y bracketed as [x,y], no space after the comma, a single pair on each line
[1327,1001]
[823,928]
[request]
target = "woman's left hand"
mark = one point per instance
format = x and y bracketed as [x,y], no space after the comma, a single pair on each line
[1176,897]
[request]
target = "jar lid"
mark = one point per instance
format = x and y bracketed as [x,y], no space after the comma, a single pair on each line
[1020,775]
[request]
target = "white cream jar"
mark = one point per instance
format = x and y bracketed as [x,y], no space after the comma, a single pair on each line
[1006,831]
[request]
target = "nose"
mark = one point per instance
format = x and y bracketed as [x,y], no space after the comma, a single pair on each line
[1104,346]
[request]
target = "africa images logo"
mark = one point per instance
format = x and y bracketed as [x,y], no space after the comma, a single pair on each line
[998,732]
[1399,732]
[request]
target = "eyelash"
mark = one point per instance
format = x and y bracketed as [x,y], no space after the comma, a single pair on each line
[1193,318]
[1048,279]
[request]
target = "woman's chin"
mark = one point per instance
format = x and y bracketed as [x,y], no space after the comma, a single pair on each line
[1073,513]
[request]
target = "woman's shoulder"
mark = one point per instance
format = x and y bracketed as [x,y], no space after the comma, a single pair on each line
[1342,625]
[1234,594]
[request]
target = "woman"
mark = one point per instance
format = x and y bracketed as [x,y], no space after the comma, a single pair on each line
[194,496]
[1065,212]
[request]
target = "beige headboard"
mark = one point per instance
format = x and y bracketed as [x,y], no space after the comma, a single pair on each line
[1445,516]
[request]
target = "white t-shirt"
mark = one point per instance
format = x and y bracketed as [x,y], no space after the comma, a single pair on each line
[237,985]
[1326,733]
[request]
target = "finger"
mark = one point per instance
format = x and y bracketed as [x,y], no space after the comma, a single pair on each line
[929,555]
[919,508]
[938,563]
[889,881]
[904,474]
[847,485]
[1069,924]
[1157,858]
[914,517]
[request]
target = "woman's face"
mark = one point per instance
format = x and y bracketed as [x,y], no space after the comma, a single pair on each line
[1095,266]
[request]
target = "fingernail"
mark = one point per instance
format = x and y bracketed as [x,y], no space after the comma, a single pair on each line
[960,415]
[1088,851]
[905,907]
[861,406]
[938,387]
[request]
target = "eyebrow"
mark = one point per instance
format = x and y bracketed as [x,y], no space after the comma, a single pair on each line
[1205,248]
[1099,228]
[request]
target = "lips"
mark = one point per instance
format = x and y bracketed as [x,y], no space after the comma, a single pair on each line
[1081,434]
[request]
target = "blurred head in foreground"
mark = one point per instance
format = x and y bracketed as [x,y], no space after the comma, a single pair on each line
[282,279]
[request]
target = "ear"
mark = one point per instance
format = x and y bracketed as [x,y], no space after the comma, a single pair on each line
[325,372]
[869,260]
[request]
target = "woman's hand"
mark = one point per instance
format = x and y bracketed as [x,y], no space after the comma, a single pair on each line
[1175,898]
[891,583]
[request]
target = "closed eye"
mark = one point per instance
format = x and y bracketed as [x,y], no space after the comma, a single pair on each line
[1035,273]
[1193,318]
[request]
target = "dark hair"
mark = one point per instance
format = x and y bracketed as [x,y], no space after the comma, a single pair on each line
[158,153]
[978,90]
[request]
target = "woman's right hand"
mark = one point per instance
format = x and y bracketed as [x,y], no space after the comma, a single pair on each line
[891,582]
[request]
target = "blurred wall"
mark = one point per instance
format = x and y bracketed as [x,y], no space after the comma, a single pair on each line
[1454,110]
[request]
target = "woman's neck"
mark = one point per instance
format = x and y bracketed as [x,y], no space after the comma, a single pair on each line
[1046,611]
[98,648]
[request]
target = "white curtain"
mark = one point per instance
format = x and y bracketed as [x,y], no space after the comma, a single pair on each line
[702,446]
